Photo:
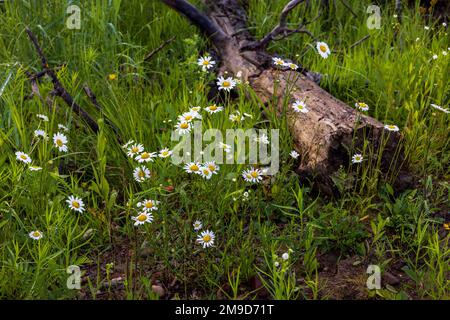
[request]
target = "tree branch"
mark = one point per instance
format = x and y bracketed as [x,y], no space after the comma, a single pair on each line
[58,87]
[155,51]
[281,31]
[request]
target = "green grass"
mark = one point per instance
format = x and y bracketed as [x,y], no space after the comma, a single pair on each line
[371,224]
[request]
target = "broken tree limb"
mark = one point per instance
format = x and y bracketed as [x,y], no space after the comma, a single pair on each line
[329,132]
[155,51]
[59,89]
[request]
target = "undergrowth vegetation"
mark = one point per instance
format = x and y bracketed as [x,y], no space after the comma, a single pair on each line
[272,239]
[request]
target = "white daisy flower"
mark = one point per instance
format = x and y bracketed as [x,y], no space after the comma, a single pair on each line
[145,157]
[43,117]
[148,205]
[21,156]
[252,175]
[60,142]
[391,127]
[135,149]
[35,235]
[213,108]
[226,84]
[435,57]
[440,108]
[278,62]
[264,139]
[62,127]
[285,256]
[206,238]
[205,172]
[357,158]
[300,106]
[212,166]
[206,63]
[323,49]
[125,146]
[192,167]
[444,53]
[444,24]
[142,218]
[276,264]
[164,153]
[183,127]
[195,109]
[40,134]
[294,154]
[189,116]
[225,147]
[291,65]
[141,173]
[34,168]
[236,117]
[75,203]
[197,225]
[362,106]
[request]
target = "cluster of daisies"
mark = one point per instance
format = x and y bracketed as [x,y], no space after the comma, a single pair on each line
[206,237]
[206,170]
[225,84]
[59,142]
[146,208]
[137,152]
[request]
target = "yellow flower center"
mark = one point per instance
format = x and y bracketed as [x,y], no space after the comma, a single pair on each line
[36,234]
[194,167]
[142,217]
[134,149]
[213,107]
[205,62]
[226,84]
[149,204]
[207,238]
[145,155]
[23,157]
[165,153]
[254,174]
[206,171]
[184,125]
[141,174]
[323,48]
[75,204]
[59,142]
[188,118]
[212,167]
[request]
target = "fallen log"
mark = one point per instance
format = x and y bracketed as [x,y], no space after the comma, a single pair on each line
[331,129]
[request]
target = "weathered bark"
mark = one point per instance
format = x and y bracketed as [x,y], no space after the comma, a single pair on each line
[325,135]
